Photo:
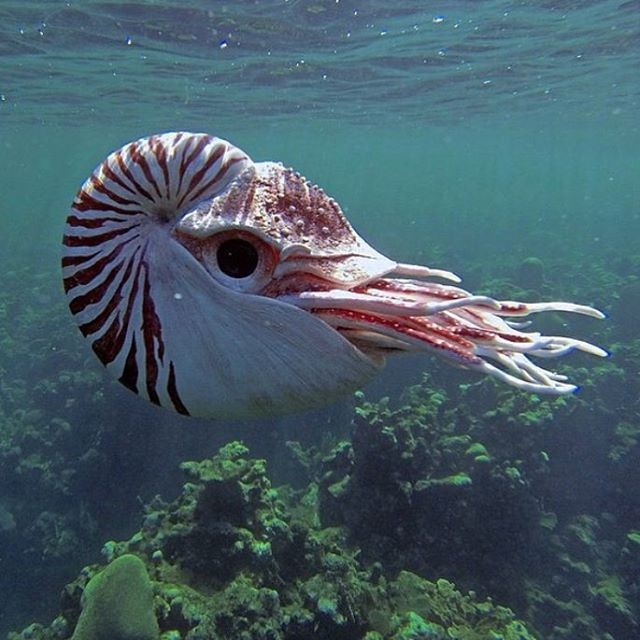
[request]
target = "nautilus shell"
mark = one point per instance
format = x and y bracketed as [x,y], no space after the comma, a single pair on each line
[216,286]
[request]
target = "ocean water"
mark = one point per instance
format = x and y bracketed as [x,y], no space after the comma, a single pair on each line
[464,135]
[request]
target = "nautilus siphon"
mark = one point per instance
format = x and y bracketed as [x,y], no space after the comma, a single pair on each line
[218,286]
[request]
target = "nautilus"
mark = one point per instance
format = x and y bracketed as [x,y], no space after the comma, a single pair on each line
[217,286]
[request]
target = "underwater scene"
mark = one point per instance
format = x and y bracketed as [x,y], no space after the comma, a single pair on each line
[220,219]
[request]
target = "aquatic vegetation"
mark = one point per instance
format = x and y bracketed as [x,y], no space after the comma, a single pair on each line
[416,471]
[230,559]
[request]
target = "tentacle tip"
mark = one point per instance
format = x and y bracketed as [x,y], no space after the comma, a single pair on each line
[576,389]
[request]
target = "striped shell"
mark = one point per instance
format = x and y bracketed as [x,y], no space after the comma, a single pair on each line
[158,320]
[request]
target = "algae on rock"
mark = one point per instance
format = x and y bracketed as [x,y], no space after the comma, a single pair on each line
[117,604]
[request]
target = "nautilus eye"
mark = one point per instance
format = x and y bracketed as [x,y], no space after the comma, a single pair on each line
[237,258]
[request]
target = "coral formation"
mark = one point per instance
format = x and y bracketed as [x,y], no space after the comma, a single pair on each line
[440,490]
[117,604]
[232,558]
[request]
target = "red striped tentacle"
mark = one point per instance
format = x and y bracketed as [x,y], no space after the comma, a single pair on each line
[119,220]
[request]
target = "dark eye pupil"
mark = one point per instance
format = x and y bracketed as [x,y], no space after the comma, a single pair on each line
[237,258]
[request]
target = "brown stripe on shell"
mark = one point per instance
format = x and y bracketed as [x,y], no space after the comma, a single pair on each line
[72,261]
[151,331]
[99,186]
[186,161]
[110,344]
[94,325]
[229,162]
[129,377]
[92,241]
[86,275]
[125,171]
[86,202]
[197,177]
[160,152]
[139,159]
[82,301]
[172,390]
[90,223]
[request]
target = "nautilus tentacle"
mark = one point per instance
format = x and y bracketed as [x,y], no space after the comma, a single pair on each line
[412,315]
[213,285]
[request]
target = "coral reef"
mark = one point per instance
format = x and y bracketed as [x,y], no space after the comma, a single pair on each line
[412,475]
[58,444]
[488,498]
[232,557]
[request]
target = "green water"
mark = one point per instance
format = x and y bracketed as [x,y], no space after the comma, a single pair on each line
[480,190]
[468,143]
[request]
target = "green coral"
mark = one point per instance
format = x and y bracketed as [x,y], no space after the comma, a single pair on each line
[414,627]
[627,437]
[415,471]
[117,604]
[634,537]
[438,611]
[609,591]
